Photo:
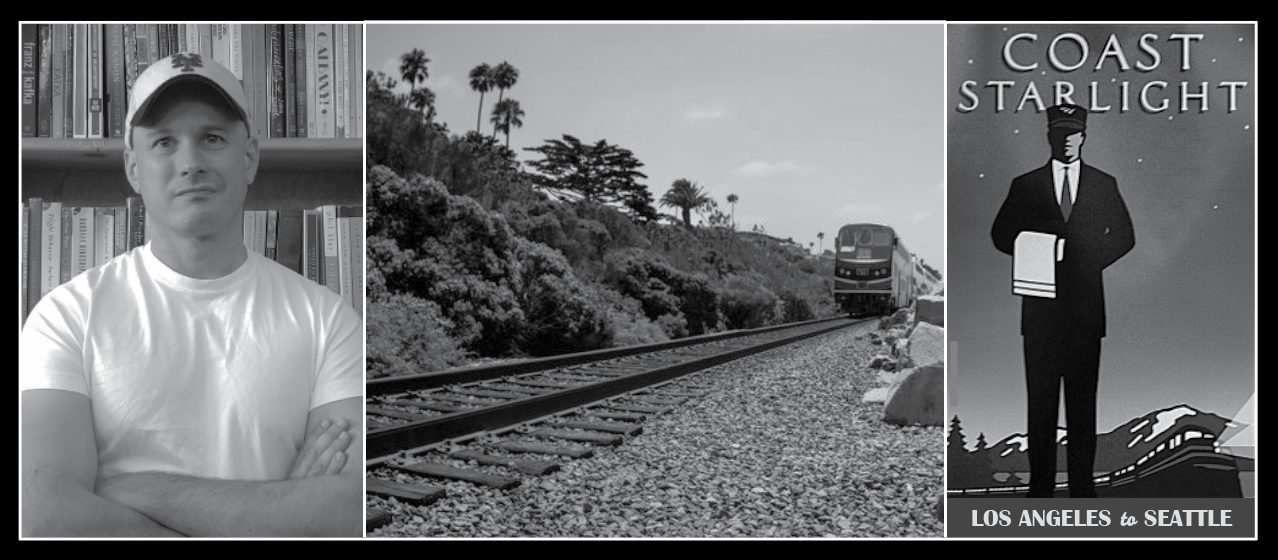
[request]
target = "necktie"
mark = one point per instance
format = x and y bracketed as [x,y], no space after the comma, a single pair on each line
[1067,203]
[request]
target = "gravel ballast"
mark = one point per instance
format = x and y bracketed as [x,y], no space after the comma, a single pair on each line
[780,447]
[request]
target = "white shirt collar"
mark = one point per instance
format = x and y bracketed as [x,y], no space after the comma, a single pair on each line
[1058,177]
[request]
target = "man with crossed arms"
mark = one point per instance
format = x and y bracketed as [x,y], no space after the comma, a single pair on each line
[190,386]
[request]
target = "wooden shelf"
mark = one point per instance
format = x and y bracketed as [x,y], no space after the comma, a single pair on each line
[312,154]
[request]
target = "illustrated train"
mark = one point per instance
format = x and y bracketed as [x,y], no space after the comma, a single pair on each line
[874,274]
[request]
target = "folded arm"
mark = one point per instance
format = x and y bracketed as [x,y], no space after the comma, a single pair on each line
[313,502]
[59,465]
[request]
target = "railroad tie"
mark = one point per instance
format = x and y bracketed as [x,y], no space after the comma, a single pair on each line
[407,493]
[637,408]
[544,449]
[375,518]
[684,394]
[622,428]
[535,383]
[426,405]
[488,393]
[394,413]
[588,437]
[610,415]
[526,466]
[375,425]
[656,400]
[447,472]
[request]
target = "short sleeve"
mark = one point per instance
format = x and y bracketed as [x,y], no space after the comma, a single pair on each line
[341,366]
[50,346]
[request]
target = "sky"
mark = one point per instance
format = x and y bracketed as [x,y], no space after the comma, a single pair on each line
[811,125]
[1181,306]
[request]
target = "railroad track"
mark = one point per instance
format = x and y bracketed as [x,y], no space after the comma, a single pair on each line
[485,424]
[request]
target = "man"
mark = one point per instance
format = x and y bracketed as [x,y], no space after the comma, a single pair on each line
[1081,206]
[190,386]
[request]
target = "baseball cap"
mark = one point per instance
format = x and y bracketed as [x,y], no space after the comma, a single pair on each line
[1067,116]
[180,68]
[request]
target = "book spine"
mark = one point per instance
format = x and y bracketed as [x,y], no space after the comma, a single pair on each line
[272,225]
[357,264]
[83,244]
[289,239]
[239,54]
[261,66]
[218,37]
[249,224]
[67,240]
[59,65]
[312,252]
[344,257]
[121,244]
[155,39]
[205,33]
[243,47]
[137,222]
[115,70]
[325,115]
[44,81]
[81,80]
[276,49]
[339,78]
[69,83]
[259,232]
[358,85]
[129,41]
[162,43]
[23,264]
[35,223]
[332,269]
[192,44]
[299,67]
[95,81]
[312,127]
[176,39]
[30,62]
[51,248]
[103,234]
[141,49]
[290,79]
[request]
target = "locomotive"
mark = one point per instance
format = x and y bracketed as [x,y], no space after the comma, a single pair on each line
[874,274]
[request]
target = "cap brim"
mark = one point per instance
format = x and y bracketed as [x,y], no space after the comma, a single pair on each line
[150,100]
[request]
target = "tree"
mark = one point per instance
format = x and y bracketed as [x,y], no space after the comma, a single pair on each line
[503,78]
[506,113]
[687,196]
[424,101]
[821,239]
[412,66]
[732,199]
[599,172]
[481,80]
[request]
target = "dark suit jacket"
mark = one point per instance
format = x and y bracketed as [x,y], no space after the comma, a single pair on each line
[1098,233]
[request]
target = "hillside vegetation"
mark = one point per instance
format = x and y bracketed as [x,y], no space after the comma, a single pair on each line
[471,256]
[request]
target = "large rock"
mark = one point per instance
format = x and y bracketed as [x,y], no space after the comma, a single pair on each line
[917,397]
[931,309]
[925,345]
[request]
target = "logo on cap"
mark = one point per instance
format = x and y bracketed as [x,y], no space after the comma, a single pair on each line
[187,62]
[1067,110]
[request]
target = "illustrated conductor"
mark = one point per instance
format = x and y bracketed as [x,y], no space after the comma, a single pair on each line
[1079,210]
[190,386]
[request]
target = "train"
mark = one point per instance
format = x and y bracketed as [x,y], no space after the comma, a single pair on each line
[874,274]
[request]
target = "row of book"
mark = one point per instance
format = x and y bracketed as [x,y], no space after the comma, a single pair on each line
[325,244]
[300,80]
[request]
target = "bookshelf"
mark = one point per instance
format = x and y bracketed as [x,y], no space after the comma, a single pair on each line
[296,170]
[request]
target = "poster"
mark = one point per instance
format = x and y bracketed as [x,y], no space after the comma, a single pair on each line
[1160,240]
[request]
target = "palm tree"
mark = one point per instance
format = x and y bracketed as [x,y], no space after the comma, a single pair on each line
[506,113]
[481,80]
[687,196]
[412,66]
[732,199]
[423,100]
[503,77]
[821,238]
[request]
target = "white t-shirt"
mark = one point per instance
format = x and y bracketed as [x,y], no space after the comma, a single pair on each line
[211,378]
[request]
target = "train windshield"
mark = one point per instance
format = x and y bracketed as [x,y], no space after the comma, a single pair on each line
[865,242]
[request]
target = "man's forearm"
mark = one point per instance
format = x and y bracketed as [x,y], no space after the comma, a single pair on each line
[319,506]
[70,511]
